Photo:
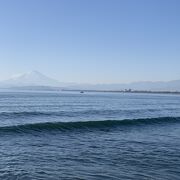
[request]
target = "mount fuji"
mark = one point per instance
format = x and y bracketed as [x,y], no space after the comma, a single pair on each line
[33,78]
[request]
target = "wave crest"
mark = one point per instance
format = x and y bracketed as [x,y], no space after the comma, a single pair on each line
[86,125]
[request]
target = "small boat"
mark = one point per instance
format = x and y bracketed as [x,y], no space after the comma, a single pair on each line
[81,92]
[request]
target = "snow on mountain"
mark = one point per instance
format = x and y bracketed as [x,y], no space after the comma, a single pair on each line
[33,78]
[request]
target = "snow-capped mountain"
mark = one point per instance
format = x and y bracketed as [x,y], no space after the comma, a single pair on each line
[33,78]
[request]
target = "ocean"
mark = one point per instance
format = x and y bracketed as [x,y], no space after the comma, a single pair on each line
[98,136]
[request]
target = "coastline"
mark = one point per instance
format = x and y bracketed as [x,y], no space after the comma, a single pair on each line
[124,91]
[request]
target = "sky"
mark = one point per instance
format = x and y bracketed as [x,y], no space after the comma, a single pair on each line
[91,41]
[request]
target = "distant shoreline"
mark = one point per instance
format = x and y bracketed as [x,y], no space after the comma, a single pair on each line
[47,88]
[123,91]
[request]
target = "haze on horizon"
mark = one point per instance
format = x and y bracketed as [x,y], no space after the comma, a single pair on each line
[102,41]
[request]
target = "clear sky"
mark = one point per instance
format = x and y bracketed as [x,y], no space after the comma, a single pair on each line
[93,41]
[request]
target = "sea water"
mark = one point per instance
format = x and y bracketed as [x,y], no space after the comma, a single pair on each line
[58,135]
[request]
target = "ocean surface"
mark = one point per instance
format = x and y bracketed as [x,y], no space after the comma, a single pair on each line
[98,136]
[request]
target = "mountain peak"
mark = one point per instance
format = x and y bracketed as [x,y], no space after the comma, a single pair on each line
[32,78]
[30,73]
[34,72]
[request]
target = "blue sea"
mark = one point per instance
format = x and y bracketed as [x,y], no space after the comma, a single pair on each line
[98,136]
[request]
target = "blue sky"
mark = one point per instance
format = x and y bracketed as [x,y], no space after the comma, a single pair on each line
[93,41]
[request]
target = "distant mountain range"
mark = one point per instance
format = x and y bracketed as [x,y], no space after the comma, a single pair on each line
[36,80]
[140,86]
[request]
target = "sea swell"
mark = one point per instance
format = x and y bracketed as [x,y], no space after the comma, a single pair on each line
[87,125]
[75,113]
